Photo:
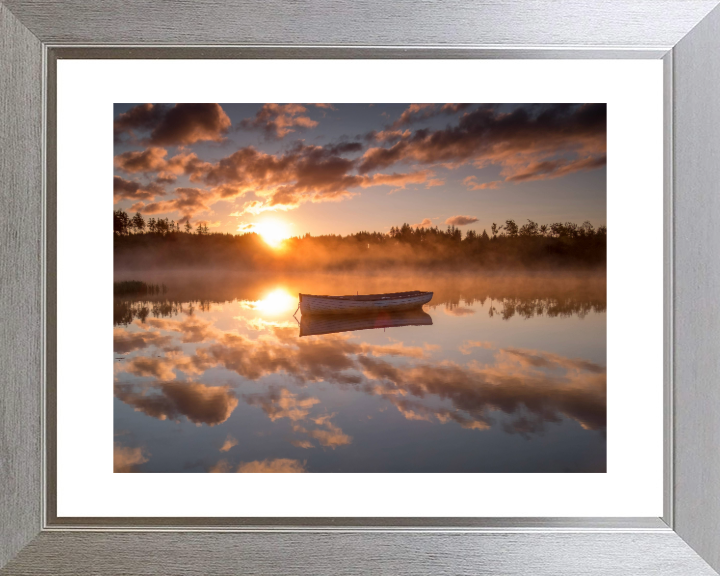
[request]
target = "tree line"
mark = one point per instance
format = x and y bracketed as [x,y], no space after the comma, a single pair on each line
[163,243]
[124,225]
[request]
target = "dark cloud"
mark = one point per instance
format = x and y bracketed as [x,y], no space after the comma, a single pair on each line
[278,120]
[190,123]
[199,403]
[188,202]
[517,141]
[132,190]
[181,124]
[460,220]
[418,112]
[142,117]
[344,148]
[556,168]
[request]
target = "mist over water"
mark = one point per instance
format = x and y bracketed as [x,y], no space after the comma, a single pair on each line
[508,374]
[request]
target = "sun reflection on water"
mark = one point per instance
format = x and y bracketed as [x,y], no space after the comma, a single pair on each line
[276,302]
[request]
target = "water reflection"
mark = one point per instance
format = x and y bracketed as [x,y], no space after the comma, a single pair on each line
[510,378]
[333,324]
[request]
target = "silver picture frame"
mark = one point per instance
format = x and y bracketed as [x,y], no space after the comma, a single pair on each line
[685,34]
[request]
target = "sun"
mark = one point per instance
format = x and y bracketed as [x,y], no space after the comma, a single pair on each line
[273,232]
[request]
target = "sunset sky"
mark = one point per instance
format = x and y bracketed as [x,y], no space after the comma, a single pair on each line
[343,168]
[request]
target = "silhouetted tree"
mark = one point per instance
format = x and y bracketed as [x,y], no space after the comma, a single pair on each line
[511,228]
[121,223]
[529,229]
[138,223]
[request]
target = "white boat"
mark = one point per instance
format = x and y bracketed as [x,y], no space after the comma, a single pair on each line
[316,324]
[363,304]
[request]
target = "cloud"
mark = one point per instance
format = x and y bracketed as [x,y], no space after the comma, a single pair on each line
[468,345]
[141,117]
[222,467]
[529,394]
[523,389]
[520,142]
[282,182]
[418,112]
[461,220]
[192,329]
[230,442]
[458,311]
[131,190]
[151,159]
[181,124]
[331,436]
[161,368]
[557,168]
[285,404]
[188,202]
[278,120]
[388,136]
[128,459]
[282,404]
[277,466]
[189,123]
[199,403]
[531,142]
[414,113]
[426,222]
[397,180]
[302,443]
[472,184]
[125,341]
[324,106]
[454,108]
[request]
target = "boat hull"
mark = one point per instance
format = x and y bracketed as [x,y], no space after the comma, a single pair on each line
[310,304]
[317,324]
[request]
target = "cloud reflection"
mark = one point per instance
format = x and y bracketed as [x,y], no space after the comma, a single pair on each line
[276,466]
[519,390]
[128,459]
[199,403]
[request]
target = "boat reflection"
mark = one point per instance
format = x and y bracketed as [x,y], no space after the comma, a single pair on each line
[312,325]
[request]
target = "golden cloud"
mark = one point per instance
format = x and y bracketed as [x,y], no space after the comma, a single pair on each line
[128,459]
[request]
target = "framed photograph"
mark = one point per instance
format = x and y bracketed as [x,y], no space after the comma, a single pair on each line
[455,317]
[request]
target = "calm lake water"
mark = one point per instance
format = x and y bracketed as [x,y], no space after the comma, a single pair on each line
[500,373]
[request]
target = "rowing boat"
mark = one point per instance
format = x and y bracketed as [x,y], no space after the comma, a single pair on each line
[362,304]
[316,324]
